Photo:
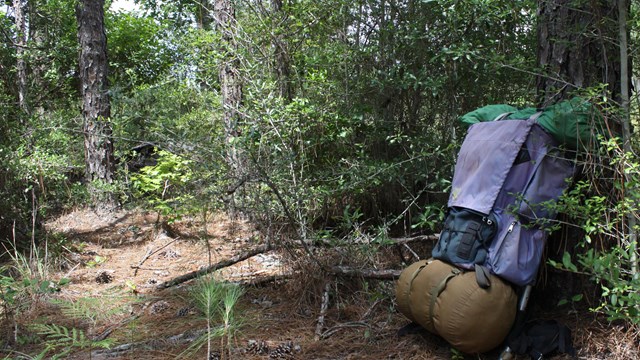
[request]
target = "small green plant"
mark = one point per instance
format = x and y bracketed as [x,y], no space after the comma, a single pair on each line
[217,301]
[64,340]
[162,185]
[23,282]
[96,261]
[91,309]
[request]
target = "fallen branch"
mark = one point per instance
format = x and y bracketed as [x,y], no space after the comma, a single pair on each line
[323,311]
[219,265]
[262,280]
[386,242]
[389,274]
[406,240]
[149,254]
[118,351]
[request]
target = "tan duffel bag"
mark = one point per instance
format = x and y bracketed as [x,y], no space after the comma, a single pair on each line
[449,302]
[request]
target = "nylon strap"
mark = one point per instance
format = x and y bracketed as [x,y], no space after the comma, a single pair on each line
[535,116]
[415,273]
[437,290]
[468,238]
[483,277]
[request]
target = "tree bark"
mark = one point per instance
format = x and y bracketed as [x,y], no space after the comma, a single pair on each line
[577,48]
[231,88]
[282,64]
[21,43]
[204,19]
[96,107]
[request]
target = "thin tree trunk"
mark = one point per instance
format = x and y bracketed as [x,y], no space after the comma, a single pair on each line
[626,123]
[204,19]
[21,43]
[96,107]
[231,89]
[282,64]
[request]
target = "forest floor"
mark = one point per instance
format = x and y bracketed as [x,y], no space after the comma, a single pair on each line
[116,264]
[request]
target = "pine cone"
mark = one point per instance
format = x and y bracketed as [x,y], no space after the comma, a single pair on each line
[257,347]
[282,351]
[104,278]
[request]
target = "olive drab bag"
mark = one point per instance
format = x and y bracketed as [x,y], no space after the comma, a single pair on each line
[447,301]
[507,176]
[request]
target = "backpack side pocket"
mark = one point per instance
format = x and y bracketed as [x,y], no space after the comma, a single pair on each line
[466,236]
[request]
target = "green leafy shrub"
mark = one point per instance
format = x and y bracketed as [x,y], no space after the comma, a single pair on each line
[163,186]
[604,206]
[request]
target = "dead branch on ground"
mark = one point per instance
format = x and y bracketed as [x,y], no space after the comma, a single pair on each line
[388,274]
[219,265]
[323,311]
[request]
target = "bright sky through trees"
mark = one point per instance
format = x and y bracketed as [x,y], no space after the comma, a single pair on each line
[125,5]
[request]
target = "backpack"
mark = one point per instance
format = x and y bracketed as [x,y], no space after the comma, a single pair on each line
[507,176]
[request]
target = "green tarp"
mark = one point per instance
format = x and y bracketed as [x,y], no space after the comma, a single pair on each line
[573,123]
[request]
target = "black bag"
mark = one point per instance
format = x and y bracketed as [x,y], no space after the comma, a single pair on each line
[540,338]
[466,237]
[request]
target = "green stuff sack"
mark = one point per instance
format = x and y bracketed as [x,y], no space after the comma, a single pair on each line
[404,286]
[472,319]
[574,123]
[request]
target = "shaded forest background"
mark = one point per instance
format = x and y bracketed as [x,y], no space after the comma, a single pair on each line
[317,120]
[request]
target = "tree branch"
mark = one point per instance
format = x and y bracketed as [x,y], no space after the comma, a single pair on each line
[219,265]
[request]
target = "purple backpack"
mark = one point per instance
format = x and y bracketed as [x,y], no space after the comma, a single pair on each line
[508,175]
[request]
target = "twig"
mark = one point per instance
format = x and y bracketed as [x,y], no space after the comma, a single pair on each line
[219,265]
[149,254]
[406,240]
[370,309]
[337,328]
[411,251]
[323,311]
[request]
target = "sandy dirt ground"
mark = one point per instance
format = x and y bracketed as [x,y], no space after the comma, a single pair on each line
[116,263]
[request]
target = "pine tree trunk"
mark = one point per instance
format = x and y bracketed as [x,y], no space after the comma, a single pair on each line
[577,48]
[21,43]
[96,108]
[231,89]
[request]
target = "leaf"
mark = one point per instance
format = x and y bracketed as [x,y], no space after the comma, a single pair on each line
[566,262]
[562,302]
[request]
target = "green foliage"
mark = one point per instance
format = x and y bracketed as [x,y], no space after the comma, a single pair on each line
[63,340]
[138,50]
[609,251]
[160,185]
[217,301]
[92,309]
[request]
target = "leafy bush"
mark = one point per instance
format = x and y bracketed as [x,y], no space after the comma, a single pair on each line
[605,208]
